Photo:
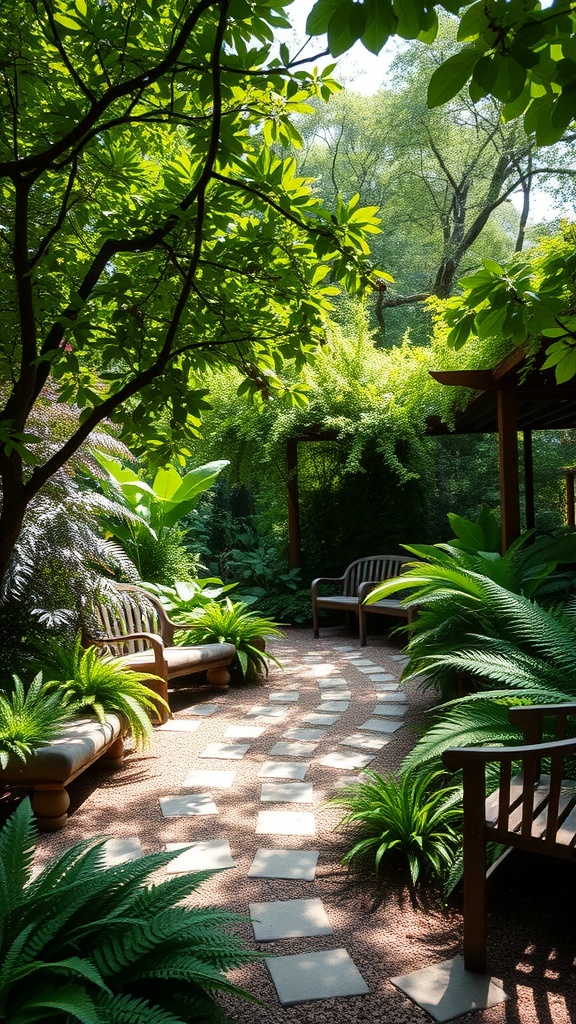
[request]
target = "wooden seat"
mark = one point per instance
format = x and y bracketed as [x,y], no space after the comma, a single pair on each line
[135,626]
[350,590]
[529,810]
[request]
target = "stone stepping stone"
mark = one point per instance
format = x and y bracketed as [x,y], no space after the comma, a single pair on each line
[286,792]
[193,803]
[446,990]
[401,658]
[297,733]
[306,977]
[297,864]
[283,770]
[397,697]
[315,718]
[380,725]
[289,919]
[368,672]
[363,663]
[266,711]
[343,648]
[284,695]
[178,725]
[293,748]
[391,710]
[382,677]
[245,732]
[119,851]
[347,780]
[359,739]
[333,705]
[209,855]
[203,709]
[323,667]
[332,682]
[330,695]
[285,823]
[226,751]
[346,760]
[207,778]
[387,687]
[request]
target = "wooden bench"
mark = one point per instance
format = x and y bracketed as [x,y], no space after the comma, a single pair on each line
[50,768]
[136,628]
[529,810]
[354,586]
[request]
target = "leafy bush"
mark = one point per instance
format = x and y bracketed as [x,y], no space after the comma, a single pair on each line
[233,622]
[80,942]
[30,717]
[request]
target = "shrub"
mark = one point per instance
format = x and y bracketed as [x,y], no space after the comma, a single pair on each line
[233,622]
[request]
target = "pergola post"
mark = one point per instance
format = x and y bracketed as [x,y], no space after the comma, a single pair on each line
[508,462]
[294,545]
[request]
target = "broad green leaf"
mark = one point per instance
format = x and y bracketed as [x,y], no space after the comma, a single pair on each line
[451,76]
[380,24]
[319,17]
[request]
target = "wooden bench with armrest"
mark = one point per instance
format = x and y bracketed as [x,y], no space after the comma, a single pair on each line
[354,585]
[136,627]
[529,810]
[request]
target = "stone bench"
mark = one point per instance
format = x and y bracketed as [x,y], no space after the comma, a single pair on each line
[49,769]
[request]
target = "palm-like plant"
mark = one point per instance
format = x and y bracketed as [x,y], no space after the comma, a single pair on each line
[80,942]
[30,718]
[233,622]
[405,817]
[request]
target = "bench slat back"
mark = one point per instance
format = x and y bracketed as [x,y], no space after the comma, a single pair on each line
[131,612]
[378,567]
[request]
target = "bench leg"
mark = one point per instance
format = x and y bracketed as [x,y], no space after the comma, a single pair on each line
[50,804]
[114,756]
[362,626]
[219,678]
[474,853]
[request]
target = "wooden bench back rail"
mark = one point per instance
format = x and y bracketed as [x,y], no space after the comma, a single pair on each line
[360,577]
[528,810]
[134,615]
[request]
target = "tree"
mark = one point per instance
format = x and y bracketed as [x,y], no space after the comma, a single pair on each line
[146,229]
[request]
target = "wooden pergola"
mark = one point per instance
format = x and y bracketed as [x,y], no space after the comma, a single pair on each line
[516,396]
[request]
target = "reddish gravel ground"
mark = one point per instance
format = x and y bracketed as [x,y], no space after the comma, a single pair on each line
[532,904]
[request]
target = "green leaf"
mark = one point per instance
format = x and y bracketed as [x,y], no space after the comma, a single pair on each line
[447,81]
[380,24]
[346,26]
[319,17]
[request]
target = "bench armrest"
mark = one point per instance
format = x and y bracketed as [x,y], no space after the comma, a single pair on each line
[325,579]
[154,641]
[365,588]
[531,719]
[462,757]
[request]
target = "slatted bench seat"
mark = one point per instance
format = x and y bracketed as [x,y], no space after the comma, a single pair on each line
[350,590]
[529,810]
[50,768]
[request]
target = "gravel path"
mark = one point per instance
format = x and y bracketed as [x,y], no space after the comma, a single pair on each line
[531,934]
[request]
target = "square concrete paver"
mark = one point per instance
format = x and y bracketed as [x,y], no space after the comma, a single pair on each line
[193,803]
[285,823]
[333,705]
[366,670]
[288,919]
[446,990]
[387,687]
[245,732]
[284,695]
[118,851]
[330,695]
[381,677]
[283,770]
[266,711]
[305,977]
[293,748]
[202,856]
[359,739]
[315,718]
[226,751]
[343,759]
[380,725]
[297,864]
[203,709]
[363,663]
[207,778]
[331,682]
[287,792]
[343,647]
[298,733]
[178,725]
[390,710]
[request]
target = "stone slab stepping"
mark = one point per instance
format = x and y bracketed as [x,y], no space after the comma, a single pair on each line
[285,823]
[202,856]
[266,711]
[380,725]
[286,792]
[382,677]
[293,748]
[288,919]
[343,648]
[364,741]
[297,864]
[323,666]
[366,670]
[332,681]
[315,718]
[387,687]
[345,759]
[203,709]
[297,733]
[284,695]
[226,751]
[194,803]
[330,695]
[118,851]
[305,977]
[446,990]
[390,710]
[247,732]
[334,705]
[363,663]
[283,770]
[206,778]
[178,725]
[400,657]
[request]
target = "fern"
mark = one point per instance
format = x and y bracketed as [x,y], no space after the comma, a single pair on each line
[30,718]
